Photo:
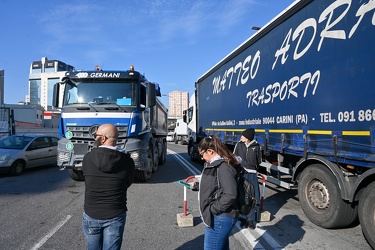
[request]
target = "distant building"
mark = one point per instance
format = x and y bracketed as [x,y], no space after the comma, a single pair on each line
[27,116]
[43,76]
[1,86]
[178,102]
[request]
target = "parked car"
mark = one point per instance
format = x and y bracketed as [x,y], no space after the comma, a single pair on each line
[18,152]
[170,137]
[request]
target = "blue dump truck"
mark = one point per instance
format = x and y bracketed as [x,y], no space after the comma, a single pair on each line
[125,99]
[306,83]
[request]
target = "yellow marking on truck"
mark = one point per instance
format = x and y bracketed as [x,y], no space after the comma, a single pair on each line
[356,133]
[319,132]
[296,131]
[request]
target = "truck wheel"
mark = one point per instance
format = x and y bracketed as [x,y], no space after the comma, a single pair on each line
[321,201]
[163,155]
[191,153]
[76,175]
[155,160]
[366,212]
[17,167]
[145,175]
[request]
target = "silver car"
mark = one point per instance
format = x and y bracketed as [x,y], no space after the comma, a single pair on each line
[18,152]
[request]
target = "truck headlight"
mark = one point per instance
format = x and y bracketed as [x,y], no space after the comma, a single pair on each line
[134,155]
[64,156]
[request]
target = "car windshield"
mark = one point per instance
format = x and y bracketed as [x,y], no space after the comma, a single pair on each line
[15,142]
[100,92]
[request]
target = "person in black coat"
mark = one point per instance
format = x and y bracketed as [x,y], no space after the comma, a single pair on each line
[109,172]
[217,192]
[250,153]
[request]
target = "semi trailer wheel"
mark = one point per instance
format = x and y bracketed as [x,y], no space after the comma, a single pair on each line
[320,198]
[366,213]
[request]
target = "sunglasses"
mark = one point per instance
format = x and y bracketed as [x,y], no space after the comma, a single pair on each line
[202,153]
[95,135]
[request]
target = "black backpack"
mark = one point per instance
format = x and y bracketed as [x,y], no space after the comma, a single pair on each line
[245,201]
[245,193]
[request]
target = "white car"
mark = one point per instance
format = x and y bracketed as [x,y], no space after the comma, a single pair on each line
[18,152]
[170,137]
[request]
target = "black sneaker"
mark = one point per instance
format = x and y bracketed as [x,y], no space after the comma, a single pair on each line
[251,224]
[243,223]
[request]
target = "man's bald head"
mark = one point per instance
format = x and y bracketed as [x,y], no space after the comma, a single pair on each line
[110,132]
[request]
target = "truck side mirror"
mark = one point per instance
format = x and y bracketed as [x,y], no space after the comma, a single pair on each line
[56,95]
[184,116]
[151,97]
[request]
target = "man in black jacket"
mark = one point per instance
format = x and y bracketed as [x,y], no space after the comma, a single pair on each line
[250,153]
[109,172]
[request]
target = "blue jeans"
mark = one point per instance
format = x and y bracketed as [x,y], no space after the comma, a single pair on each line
[255,213]
[217,237]
[104,234]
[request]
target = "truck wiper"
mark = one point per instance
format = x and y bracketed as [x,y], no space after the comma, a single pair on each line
[90,104]
[113,103]
[85,103]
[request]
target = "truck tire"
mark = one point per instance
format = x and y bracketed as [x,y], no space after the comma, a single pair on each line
[366,212]
[76,175]
[163,155]
[191,153]
[320,198]
[145,175]
[155,160]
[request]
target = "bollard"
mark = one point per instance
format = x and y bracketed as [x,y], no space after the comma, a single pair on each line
[184,219]
[264,215]
[262,195]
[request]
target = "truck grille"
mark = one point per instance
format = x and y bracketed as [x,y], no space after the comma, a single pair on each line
[83,134]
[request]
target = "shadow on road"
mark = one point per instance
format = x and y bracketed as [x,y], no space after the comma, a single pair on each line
[36,180]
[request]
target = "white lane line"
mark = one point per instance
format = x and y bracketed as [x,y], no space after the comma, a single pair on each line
[184,162]
[251,239]
[271,241]
[51,233]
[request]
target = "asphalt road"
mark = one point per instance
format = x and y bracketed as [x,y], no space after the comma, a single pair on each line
[42,209]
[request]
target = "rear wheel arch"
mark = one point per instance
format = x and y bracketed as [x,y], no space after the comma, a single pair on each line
[344,186]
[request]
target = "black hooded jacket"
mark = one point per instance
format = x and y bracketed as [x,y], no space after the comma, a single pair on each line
[251,155]
[214,199]
[108,174]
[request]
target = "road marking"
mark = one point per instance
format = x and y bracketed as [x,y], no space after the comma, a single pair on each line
[51,233]
[271,241]
[250,238]
[184,162]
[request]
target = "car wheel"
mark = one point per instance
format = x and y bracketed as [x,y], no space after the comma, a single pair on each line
[17,167]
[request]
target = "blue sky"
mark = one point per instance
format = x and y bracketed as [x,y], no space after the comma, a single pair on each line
[171,42]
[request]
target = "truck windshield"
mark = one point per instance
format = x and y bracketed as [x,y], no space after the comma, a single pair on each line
[100,92]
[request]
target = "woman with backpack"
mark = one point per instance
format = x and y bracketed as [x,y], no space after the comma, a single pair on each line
[217,192]
[249,151]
